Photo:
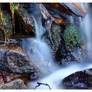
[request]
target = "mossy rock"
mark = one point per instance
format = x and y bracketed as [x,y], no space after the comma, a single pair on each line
[56,36]
[71,37]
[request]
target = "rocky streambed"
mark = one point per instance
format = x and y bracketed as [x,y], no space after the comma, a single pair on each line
[43,46]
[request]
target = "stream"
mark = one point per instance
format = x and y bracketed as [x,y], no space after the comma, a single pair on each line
[40,54]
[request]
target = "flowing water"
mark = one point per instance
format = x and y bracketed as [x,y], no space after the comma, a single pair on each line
[41,55]
[38,51]
[86,25]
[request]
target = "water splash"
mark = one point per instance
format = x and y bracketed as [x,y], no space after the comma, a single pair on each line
[54,80]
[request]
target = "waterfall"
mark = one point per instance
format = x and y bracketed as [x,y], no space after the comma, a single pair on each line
[40,54]
[39,29]
[38,50]
[86,27]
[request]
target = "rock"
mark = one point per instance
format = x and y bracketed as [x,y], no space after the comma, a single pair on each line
[47,16]
[17,22]
[3,63]
[13,60]
[55,37]
[23,23]
[71,48]
[59,10]
[74,8]
[18,61]
[79,80]
[76,54]
[16,84]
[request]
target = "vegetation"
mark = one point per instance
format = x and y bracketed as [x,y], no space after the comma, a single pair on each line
[71,37]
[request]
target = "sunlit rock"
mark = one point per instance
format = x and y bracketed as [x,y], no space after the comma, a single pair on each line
[14,60]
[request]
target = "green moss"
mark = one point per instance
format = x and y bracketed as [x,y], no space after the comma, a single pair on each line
[13,7]
[71,37]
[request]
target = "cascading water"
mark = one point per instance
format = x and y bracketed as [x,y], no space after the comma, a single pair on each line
[55,79]
[86,27]
[40,55]
[38,51]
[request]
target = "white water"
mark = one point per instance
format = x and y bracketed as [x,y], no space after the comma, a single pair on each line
[54,80]
[86,26]
[39,29]
[38,51]
[40,54]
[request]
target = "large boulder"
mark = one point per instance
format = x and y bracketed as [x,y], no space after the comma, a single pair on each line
[58,11]
[79,80]
[17,60]
[13,60]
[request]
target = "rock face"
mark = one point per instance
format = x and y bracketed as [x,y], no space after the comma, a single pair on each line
[18,62]
[79,80]
[70,48]
[17,23]
[74,8]
[55,37]
[16,84]
[59,10]
[13,60]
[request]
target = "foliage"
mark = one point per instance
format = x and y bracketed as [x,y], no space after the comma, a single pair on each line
[71,37]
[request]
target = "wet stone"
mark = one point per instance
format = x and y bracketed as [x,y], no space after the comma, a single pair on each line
[18,63]
[13,60]
[79,80]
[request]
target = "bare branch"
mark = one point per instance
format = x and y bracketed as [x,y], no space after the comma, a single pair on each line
[39,84]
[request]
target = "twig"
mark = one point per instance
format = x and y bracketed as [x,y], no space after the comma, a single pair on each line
[42,84]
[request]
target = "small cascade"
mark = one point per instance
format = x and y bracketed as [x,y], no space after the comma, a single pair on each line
[38,51]
[55,79]
[39,30]
[85,25]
